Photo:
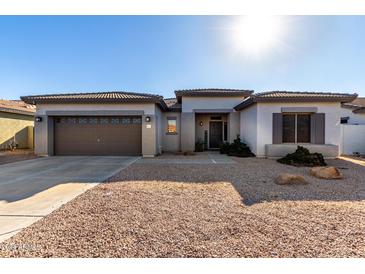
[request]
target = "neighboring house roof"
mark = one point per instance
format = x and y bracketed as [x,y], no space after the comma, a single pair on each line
[17,107]
[172,104]
[211,92]
[357,105]
[295,96]
[96,97]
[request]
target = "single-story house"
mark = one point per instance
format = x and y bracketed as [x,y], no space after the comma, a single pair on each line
[125,123]
[16,124]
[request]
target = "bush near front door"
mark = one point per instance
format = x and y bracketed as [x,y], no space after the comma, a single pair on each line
[237,148]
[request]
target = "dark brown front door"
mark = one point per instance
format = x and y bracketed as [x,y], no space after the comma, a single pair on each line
[215,134]
[120,135]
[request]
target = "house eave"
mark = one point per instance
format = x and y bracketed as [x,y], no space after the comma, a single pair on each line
[257,99]
[212,93]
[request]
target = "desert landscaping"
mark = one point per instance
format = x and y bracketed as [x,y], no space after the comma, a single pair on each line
[171,207]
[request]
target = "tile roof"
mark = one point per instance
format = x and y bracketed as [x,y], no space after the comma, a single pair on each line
[357,105]
[17,107]
[296,96]
[214,92]
[172,104]
[96,97]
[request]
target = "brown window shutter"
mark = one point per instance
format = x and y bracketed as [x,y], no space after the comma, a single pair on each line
[318,128]
[277,128]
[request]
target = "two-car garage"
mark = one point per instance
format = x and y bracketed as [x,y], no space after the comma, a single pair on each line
[114,123]
[98,135]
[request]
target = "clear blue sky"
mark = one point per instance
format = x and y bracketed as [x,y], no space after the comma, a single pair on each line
[159,54]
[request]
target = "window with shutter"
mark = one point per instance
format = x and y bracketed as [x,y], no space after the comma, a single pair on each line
[289,128]
[296,128]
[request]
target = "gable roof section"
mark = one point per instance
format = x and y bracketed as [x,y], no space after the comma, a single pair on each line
[16,107]
[295,96]
[211,92]
[172,104]
[357,105]
[111,97]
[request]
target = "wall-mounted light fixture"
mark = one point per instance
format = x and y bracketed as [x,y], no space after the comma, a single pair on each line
[38,119]
[201,123]
[148,119]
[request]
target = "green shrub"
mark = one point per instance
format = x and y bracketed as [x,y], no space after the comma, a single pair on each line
[302,157]
[237,148]
[224,148]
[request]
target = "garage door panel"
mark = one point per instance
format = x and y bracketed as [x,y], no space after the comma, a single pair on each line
[98,135]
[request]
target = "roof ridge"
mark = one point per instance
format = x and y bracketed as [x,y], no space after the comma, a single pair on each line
[304,92]
[96,92]
[215,89]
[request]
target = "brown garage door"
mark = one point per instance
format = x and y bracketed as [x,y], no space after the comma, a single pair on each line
[98,135]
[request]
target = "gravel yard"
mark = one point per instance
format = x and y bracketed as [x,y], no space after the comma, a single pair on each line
[205,210]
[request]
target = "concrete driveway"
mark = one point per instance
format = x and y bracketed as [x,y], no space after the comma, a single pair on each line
[29,190]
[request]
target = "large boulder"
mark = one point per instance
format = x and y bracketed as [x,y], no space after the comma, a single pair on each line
[326,172]
[290,179]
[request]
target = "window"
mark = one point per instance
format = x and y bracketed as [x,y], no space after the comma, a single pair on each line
[137,121]
[104,121]
[82,121]
[71,120]
[93,121]
[171,125]
[296,128]
[344,120]
[215,117]
[115,121]
[126,121]
[303,128]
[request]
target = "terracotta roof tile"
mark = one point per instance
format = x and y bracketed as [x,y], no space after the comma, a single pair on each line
[357,105]
[172,104]
[296,96]
[16,106]
[96,97]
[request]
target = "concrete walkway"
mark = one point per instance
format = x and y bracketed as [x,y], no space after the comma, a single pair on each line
[206,157]
[31,189]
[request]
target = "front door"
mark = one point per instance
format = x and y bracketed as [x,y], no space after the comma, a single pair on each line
[215,134]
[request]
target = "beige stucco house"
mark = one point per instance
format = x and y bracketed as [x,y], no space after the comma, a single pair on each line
[126,123]
[16,124]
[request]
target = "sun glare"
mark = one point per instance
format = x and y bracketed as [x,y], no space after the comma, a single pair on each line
[256,34]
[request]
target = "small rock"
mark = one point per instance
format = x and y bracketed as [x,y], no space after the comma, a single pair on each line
[290,179]
[326,172]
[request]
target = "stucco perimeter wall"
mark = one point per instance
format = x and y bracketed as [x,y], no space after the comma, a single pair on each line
[264,122]
[354,118]
[44,129]
[248,129]
[18,128]
[171,142]
[353,139]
